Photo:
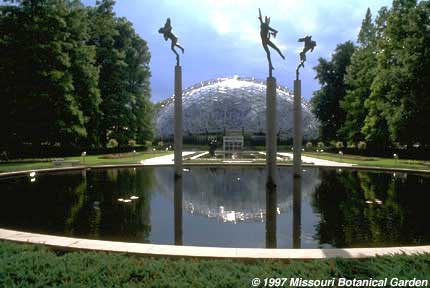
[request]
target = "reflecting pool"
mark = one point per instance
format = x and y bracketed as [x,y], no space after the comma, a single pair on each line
[225,207]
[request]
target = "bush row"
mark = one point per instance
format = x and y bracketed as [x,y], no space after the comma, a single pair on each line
[37,266]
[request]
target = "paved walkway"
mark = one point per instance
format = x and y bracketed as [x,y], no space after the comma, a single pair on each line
[163,160]
[319,162]
[168,160]
[199,155]
[277,156]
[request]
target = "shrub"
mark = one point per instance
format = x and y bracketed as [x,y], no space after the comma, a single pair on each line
[362,145]
[132,143]
[321,145]
[339,145]
[112,143]
[148,144]
[160,144]
[309,145]
[23,265]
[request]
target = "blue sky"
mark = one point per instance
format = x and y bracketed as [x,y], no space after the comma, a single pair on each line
[221,37]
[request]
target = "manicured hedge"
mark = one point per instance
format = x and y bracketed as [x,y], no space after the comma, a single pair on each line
[24,265]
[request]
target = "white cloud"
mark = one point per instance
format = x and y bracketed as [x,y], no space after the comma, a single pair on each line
[302,16]
[249,33]
[282,46]
[220,22]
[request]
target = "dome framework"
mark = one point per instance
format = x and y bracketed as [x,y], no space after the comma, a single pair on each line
[232,104]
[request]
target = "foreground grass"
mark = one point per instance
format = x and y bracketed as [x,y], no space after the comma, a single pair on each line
[25,265]
[90,160]
[372,161]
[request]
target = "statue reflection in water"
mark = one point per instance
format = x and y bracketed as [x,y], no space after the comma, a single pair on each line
[271,210]
[178,210]
[297,211]
[271,214]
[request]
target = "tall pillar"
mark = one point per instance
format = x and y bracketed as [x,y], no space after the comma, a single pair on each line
[177,200]
[297,128]
[271,128]
[297,212]
[178,156]
[271,201]
[178,121]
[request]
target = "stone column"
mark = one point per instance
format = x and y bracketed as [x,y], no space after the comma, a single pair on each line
[271,128]
[178,121]
[177,199]
[297,128]
[297,211]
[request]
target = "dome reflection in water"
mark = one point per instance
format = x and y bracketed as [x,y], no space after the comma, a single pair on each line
[223,207]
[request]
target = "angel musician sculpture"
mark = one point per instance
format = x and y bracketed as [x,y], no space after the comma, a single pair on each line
[265,32]
[309,45]
[167,33]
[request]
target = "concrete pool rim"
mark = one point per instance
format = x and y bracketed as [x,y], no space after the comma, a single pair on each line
[159,250]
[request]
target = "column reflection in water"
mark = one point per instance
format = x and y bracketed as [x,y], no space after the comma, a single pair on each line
[297,211]
[271,216]
[178,210]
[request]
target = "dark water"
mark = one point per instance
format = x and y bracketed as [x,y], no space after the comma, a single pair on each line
[223,207]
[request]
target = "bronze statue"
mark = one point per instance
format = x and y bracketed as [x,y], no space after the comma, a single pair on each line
[265,32]
[309,45]
[167,33]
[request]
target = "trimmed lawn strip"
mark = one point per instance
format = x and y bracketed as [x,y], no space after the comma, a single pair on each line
[371,161]
[26,265]
[90,160]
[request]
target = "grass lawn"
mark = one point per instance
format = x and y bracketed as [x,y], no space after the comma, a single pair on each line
[90,160]
[354,159]
[372,161]
[23,265]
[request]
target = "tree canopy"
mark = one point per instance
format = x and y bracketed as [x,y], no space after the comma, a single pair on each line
[72,76]
[382,98]
[326,101]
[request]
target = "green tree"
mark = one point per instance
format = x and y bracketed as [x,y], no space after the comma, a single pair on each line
[72,76]
[123,58]
[84,70]
[326,101]
[112,65]
[37,80]
[137,81]
[358,79]
[403,75]
[375,128]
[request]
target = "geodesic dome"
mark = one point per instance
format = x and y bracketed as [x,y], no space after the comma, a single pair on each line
[232,104]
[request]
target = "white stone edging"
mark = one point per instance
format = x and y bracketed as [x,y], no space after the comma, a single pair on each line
[69,243]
